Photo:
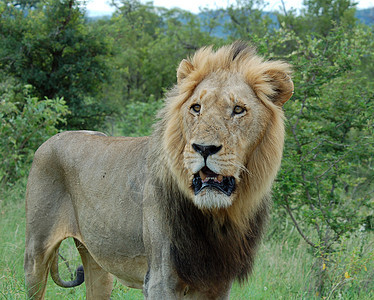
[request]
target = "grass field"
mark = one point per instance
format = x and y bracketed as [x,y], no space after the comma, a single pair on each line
[283,270]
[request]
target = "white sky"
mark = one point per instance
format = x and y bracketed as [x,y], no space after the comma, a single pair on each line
[194,5]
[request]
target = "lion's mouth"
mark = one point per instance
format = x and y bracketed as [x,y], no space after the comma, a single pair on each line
[206,178]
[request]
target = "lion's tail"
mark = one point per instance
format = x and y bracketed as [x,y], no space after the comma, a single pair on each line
[79,275]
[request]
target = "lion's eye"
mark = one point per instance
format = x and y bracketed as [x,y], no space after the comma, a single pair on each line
[196,108]
[238,110]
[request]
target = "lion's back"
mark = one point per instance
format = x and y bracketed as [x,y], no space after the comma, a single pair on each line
[81,148]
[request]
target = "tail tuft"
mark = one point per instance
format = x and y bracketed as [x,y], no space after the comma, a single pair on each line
[79,275]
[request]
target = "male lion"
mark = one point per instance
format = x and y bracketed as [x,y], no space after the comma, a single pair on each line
[178,214]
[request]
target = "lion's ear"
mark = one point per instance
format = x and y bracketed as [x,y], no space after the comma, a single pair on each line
[185,68]
[282,86]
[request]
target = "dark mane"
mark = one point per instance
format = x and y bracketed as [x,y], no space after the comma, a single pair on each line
[204,253]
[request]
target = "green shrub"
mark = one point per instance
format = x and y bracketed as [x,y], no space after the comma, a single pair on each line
[137,118]
[26,122]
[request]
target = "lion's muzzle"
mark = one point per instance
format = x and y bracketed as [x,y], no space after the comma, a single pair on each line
[207,178]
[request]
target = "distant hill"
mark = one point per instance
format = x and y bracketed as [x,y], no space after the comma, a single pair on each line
[366,16]
[222,17]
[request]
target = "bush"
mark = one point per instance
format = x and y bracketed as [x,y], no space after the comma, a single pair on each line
[326,180]
[26,122]
[137,118]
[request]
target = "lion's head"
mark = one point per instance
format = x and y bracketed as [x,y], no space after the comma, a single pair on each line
[223,127]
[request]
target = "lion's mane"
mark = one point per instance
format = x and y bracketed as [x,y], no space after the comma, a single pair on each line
[223,241]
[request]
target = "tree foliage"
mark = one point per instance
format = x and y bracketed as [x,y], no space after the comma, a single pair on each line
[147,44]
[326,176]
[26,122]
[46,44]
[326,180]
[248,20]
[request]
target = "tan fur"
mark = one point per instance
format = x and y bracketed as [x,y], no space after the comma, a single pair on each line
[128,202]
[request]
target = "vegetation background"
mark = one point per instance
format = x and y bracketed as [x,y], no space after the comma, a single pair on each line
[61,70]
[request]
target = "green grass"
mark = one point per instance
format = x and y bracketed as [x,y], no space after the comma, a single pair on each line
[284,267]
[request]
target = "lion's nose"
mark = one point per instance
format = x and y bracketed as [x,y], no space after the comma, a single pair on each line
[206,150]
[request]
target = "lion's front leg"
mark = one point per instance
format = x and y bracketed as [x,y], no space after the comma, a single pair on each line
[161,280]
[161,283]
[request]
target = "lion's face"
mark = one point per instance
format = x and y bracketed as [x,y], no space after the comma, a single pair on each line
[223,128]
[224,121]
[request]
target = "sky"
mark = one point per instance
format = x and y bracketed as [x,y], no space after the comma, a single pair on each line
[102,6]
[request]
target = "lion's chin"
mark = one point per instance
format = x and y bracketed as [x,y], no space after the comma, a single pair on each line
[210,198]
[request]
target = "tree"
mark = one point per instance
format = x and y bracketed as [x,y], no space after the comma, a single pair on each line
[26,122]
[326,180]
[248,20]
[57,54]
[319,17]
[147,44]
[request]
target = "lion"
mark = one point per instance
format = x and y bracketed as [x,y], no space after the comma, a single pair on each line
[178,214]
